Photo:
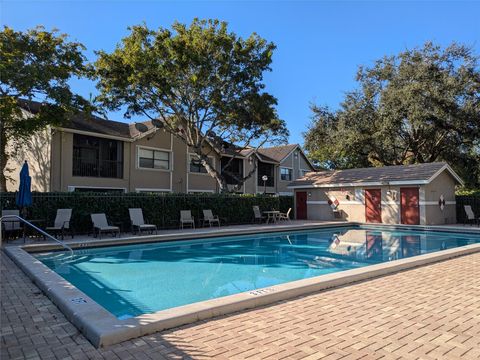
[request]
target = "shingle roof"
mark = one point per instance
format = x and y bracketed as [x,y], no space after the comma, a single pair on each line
[95,124]
[276,153]
[386,174]
[82,122]
[98,125]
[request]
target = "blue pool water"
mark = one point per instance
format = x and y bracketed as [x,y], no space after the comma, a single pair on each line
[130,280]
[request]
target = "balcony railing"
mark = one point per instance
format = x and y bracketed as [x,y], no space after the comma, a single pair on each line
[97,168]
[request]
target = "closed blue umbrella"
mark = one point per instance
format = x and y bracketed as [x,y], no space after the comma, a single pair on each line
[24,195]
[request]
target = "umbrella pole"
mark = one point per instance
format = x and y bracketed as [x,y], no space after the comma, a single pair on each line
[24,212]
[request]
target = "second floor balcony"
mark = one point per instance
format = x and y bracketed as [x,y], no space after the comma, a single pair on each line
[97,168]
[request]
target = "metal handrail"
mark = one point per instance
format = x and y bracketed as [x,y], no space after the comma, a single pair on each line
[37,229]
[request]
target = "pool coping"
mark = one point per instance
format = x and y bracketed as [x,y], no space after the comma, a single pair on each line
[102,328]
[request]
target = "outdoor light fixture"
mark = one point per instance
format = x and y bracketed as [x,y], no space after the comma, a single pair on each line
[264,178]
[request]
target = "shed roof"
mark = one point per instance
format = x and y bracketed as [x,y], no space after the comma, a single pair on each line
[387,175]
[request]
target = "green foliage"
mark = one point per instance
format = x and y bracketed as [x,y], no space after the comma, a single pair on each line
[160,209]
[422,105]
[468,192]
[203,82]
[36,64]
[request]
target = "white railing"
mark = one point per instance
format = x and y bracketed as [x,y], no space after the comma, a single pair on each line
[2,219]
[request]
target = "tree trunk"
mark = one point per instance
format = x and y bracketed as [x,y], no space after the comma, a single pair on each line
[222,183]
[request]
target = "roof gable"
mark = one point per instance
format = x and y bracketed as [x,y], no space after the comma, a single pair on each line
[277,153]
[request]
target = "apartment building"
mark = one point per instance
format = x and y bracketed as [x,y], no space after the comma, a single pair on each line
[94,154]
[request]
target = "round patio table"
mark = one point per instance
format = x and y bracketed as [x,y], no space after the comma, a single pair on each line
[272,215]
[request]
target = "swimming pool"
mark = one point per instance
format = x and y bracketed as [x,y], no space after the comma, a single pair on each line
[131,280]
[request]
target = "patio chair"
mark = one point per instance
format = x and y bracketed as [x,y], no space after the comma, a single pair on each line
[285,216]
[257,215]
[209,218]
[100,225]
[186,218]
[11,227]
[61,223]
[138,222]
[471,218]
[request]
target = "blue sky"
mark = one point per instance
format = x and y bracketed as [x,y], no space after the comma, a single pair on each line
[319,44]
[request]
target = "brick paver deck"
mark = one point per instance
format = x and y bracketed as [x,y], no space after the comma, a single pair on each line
[431,312]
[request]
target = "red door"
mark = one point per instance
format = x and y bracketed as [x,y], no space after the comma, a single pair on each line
[409,206]
[373,205]
[301,199]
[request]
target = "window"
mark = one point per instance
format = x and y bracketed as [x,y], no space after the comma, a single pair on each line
[152,191]
[286,174]
[97,190]
[266,169]
[304,172]
[153,159]
[196,166]
[97,157]
[233,170]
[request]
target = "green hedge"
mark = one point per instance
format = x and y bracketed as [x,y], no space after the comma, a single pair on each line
[461,200]
[160,209]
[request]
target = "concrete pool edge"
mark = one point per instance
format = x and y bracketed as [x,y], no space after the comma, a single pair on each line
[101,328]
[194,234]
[219,232]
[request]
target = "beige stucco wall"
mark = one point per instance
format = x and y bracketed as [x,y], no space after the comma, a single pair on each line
[151,179]
[177,179]
[134,178]
[353,209]
[295,161]
[62,167]
[443,184]
[36,150]
[250,186]
[201,182]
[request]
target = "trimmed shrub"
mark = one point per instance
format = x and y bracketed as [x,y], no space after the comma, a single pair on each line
[473,201]
[162,210]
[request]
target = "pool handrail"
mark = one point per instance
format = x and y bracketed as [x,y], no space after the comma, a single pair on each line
[47,235]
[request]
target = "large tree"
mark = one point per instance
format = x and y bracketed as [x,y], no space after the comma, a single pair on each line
[422,105]
[35,64]
[201,82]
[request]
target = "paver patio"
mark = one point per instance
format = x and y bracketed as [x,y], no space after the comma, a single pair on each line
[431,312]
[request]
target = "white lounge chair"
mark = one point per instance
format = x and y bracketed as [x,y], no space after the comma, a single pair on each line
[61,223]
[138,222]
[471,218]
[186,218]
[100,225]
[285,216]
[209,218]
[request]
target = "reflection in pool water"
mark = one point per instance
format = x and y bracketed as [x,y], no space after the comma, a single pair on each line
[137,279]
